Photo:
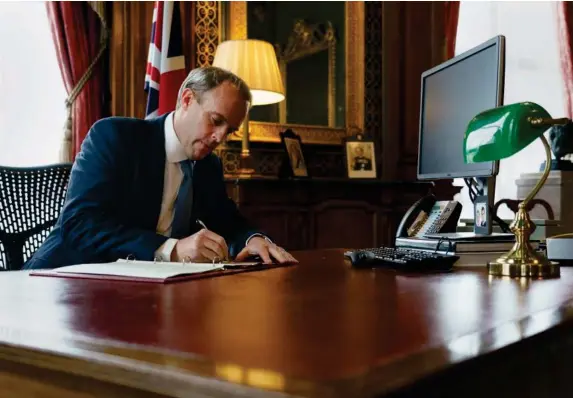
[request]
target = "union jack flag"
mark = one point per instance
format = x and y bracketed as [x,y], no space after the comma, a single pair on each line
[165,62]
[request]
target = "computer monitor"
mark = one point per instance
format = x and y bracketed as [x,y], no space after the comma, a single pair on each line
[452,94]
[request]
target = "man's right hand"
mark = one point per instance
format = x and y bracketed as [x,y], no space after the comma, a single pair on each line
[203,246]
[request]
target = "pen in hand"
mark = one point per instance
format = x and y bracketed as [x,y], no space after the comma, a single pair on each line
[202,224]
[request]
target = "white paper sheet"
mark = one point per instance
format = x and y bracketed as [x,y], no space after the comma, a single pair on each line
[145,269]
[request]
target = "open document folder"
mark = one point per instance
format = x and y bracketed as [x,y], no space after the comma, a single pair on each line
[151,271]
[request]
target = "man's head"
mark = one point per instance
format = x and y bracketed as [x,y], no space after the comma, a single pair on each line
[211,104]
[359,151]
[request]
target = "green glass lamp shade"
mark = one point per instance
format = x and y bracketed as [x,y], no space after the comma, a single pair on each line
[502,132]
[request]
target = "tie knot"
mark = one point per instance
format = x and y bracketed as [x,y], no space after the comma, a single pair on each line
[186,167]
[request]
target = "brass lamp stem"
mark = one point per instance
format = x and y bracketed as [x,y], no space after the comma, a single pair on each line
[522,260]
[246,163]
[546,171]
[245,140]
[538,121]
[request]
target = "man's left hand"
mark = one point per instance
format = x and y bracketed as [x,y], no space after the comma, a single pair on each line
[266,250]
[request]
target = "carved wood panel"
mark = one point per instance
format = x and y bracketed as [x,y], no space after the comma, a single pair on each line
[416,37]
[373,74]
[287,225]
[351,224]
[207,28]
[307,214]
[322,161]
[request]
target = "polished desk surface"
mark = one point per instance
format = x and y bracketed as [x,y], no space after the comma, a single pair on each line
[319,328]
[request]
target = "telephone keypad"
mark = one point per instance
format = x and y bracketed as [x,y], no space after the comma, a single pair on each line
[438,216]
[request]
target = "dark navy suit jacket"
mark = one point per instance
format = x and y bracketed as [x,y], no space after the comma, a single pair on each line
[114,198]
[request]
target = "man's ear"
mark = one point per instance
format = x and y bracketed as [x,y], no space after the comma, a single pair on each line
[187,98]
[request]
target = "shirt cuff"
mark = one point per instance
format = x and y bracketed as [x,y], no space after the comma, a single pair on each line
[260,235]
[164,252]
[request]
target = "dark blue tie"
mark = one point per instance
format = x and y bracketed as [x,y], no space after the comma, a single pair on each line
[181,226]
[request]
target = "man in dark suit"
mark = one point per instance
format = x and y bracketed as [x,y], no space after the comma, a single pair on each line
[152,189]
[361,162]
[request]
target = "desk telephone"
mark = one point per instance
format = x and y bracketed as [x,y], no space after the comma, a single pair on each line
[428,216]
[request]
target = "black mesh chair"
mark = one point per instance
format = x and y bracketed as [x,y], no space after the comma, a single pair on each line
[31,199]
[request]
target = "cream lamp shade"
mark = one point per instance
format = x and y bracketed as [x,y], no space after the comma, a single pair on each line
[255,62]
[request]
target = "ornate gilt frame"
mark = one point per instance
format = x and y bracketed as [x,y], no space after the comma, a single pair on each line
[354,62]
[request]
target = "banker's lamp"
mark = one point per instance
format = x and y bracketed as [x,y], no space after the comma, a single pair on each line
[255,62]
[500,133]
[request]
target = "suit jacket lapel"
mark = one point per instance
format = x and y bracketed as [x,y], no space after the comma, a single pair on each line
[197,175]
[157,168]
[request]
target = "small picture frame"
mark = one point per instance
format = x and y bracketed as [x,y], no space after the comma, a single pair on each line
[360,155]
[294,164]
[482,225]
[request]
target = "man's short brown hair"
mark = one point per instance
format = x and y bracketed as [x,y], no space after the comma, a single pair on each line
[201,80]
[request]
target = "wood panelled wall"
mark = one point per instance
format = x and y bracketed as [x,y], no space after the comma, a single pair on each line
[412,42]
[130,37]
[402,40]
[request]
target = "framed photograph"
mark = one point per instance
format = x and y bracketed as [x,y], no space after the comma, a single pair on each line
[360,157]
[482,215]
[295,162]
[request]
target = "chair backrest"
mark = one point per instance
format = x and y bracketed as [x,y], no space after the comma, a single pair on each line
[31,199]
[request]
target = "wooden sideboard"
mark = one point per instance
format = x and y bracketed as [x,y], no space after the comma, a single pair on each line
[303,214]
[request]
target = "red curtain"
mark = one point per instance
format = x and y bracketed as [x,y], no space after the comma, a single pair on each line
[452,12]
[76,32]
[565,32]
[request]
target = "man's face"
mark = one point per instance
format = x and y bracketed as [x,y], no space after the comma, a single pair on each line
[359,151]
[201,124]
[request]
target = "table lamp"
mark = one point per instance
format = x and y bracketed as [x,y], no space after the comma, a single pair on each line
[255,62]
[499,133]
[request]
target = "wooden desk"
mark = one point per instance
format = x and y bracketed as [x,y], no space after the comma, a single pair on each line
[318,329]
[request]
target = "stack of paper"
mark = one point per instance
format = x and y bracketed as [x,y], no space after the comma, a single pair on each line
[142,270]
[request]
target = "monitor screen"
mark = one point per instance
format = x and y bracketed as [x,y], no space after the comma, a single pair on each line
[452,94]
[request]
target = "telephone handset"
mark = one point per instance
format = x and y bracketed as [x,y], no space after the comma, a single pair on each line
[428,215]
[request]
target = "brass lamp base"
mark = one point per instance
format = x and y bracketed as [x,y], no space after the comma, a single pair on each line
[246,165]
[535,268]
[522,260]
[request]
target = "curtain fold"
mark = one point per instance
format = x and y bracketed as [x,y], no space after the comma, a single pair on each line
[564,13]
[80,36]
[452,12]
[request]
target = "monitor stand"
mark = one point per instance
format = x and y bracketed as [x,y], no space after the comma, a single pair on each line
[484,186]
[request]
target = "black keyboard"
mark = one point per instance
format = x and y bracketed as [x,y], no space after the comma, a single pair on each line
[401,258]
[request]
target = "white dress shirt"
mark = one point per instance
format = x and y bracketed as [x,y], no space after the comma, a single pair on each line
[174,153]
[173,176]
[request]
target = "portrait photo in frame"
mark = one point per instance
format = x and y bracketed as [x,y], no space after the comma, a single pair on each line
[360,155]
[294,164]
[482,214]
